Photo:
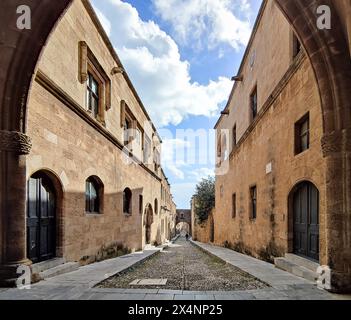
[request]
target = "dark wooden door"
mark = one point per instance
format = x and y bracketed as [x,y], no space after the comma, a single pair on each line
[41,219]
[306,221]
[149,220]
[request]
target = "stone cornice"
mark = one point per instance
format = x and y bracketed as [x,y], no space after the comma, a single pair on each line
[16,142]
[62,96]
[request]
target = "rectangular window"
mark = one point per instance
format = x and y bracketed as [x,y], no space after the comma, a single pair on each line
[127,130]
[93,95]
[138,136]
[147,149]
[234,136]
[253,203]
[234,206]
[141,205]
[302,134]
[157,159]
[253,104]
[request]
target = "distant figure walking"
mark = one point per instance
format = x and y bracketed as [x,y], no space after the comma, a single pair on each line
[187,237]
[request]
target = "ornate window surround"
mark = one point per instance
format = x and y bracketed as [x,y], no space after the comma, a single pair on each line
[88,63]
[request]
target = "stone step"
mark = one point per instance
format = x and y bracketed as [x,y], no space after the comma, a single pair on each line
[297,270]
[61,269]
[46,265]
[303,262]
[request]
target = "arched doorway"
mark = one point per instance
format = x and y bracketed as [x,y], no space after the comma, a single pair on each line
[42,212]
[304,220]
[149,217]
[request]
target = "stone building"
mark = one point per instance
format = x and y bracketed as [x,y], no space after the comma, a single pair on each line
[94,175]
[202,231]
[271,196]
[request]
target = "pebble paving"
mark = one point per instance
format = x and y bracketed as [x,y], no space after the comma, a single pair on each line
[186,268]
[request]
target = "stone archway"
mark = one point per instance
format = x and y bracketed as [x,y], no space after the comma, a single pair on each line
[183,228]
[328,51]
[329,54]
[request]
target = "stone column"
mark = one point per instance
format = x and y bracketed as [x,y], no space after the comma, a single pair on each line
[337,151]
[13,148]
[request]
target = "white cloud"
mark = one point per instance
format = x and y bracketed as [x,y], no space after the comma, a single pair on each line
[106,24]
[173,151]
[202,173]
[181,193]
[211,21]
[152,59]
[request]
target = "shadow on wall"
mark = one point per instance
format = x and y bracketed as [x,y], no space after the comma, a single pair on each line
[85,227]
[267,253]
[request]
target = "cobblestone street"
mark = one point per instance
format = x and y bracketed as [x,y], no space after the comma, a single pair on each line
[195,271]
[186,267]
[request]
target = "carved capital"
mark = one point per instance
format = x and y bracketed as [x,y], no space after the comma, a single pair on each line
[13,141]
[336,142]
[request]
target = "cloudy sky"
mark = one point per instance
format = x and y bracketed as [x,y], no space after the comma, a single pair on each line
[180,56]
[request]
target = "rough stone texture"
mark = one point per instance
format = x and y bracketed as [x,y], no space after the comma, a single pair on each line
[202,232]
[186,268]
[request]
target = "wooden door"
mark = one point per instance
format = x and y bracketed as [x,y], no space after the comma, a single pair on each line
[306,221]
[41,219]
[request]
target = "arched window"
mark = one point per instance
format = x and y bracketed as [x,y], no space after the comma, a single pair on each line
[127,201]
[156,206]
[93,195]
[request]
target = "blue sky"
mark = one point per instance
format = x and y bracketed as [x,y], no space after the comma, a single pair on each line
[180,56]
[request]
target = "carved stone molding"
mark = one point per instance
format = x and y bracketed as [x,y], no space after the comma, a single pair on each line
[13,141]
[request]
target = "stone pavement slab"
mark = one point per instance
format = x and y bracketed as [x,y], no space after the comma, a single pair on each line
[262,270]
[184,297]
[159,297]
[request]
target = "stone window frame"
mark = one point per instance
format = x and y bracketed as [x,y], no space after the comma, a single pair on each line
[219,149]
[141,204]
[89,64]
[298,148]
[147,146]
[157,159]
[234,136]
[254,92]
[127,114]
[253,200]
[156,206]
[99,188]
[127,201]
[234,205]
